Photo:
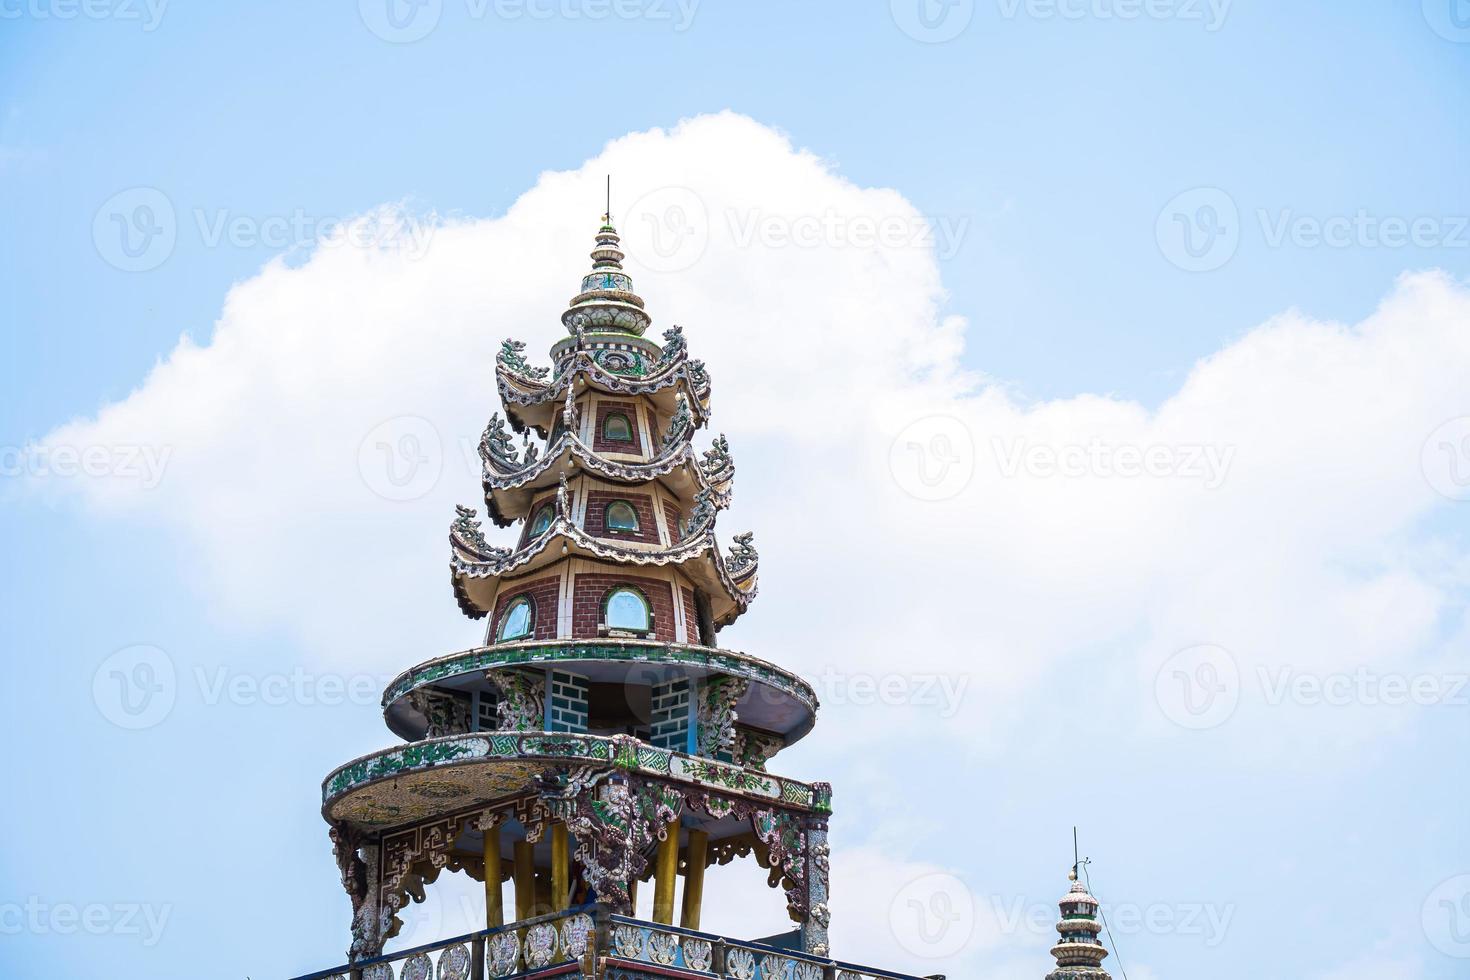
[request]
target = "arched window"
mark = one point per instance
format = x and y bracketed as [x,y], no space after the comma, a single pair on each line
[620,516]
[542,520]
[515,622]
[617,428]
[626,609]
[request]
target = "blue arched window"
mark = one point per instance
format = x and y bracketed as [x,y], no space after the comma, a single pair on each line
[620,516]
[542,520]
[617,428]
[625,608]
[516,622]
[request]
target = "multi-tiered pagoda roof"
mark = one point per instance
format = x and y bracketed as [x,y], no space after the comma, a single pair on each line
[599,737]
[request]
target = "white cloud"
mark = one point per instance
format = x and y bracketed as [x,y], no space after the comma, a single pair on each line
[1311,552]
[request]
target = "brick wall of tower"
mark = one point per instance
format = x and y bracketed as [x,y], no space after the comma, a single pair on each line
[589,588]
[597,501]
[601,443]
[544,594]
[691,614]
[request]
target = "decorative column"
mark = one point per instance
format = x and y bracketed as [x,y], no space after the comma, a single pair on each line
[525,878]
[561,879]
[665,871]
[818,874]
[696,856]
[494,902]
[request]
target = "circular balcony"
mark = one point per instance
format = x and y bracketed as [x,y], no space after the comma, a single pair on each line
[408,783]
[621,671]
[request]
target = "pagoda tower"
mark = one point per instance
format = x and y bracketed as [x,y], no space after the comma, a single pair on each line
[1078,951]
[598,740]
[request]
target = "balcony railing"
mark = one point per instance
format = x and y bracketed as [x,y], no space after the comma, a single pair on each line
[564,944]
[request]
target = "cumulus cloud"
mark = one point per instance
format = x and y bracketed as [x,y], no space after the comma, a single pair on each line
[918,523]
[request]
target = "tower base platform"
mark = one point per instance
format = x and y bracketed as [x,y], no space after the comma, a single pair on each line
[589,943]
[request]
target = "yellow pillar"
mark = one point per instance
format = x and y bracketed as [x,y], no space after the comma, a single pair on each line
[665,871]
[695,856]
[525,875]
[494,904]
[561,876]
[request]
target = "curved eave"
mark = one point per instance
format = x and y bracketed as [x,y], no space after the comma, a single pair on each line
[778,701]
[529,402]
[476,575]
[508,494]
[407,782]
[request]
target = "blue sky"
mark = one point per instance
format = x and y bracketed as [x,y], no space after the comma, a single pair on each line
[1056,143]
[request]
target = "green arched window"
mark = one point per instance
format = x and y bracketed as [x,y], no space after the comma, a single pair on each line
[542,520]
[517,620]
[620,516]
[624,608]
[617,428]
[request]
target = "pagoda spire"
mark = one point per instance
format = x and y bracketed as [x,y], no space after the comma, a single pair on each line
[607,302]
[1078,951]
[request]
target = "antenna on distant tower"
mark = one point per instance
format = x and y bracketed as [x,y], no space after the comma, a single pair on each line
[607,214]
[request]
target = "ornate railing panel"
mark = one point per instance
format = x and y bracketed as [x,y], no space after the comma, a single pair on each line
[536,946]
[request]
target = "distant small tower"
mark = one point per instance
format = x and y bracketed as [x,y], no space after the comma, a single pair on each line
[1078,951]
